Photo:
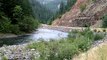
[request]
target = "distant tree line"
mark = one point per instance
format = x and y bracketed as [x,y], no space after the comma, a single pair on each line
[40,12]
[67,7]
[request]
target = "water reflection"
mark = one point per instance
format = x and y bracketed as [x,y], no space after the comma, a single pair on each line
[14,40]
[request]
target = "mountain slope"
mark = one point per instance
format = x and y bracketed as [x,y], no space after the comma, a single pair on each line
[51,4]
[92,12]
[40,12]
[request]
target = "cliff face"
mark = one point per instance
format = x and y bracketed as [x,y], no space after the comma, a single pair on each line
[92,13]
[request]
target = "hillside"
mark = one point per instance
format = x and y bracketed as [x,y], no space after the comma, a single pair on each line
[83,13]
[50,4]
[40,12]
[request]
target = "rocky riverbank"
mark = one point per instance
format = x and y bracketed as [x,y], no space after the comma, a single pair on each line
[21,52]
[17,52]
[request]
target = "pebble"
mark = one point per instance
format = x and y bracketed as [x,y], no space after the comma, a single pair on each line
[17,52]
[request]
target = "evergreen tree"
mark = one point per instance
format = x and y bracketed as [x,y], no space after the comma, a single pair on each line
[62,8]
[70,3]
[40,12]
[13,13]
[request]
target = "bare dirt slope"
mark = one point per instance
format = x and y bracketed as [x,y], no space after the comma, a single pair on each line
[92,13]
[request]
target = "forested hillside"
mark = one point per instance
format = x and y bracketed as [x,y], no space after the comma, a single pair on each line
[63,9]
[20,16]
[16,17]
[48,10]
[40,12]
[52,5]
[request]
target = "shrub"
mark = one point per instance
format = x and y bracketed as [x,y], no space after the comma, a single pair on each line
[94,0]
[89,35]
[98,36]
[52,50]
[82,7]
[28,24]
[83,43]
[5,25]
[17,14]
[104,19]
[64,49]
[4,58]
[73,34]
[15,29]
[67,51]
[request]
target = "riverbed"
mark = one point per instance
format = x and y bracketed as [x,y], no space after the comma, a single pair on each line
[41,33]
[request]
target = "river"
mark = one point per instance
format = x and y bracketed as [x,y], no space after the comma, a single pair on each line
[44,34]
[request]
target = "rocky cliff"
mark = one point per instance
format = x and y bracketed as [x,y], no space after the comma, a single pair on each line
[83,13]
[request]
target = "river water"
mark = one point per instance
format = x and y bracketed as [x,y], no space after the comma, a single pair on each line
[45,34]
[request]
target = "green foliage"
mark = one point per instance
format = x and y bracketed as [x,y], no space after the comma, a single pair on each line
[18,14]
[83,43]
[82,7]
[83,39]
[87,33]
[67,51]
[73,34]
[28,24]
[99,36]
[104,19]
[64,49]
[4,58]
[17,10]
[27,9]
[5,24]
[63,9]
[70,3]
[16,17]
[40,12]
[54,50]
[15,29]
[94,0]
